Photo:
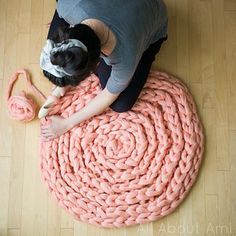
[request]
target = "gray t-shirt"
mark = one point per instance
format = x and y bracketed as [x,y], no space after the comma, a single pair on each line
[135,23]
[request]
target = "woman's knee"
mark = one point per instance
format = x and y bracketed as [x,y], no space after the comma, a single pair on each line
[121,107]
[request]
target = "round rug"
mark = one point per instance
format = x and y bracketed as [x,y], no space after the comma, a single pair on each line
[121,169]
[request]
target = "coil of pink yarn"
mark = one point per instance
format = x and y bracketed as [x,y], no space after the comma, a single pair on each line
[21,107]
[123,169]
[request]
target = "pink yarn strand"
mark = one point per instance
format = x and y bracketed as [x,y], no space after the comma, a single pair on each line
[21,107]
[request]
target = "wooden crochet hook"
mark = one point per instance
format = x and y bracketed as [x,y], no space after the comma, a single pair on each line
[57,92]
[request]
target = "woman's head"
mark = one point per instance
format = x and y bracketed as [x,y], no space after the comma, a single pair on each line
[77,62]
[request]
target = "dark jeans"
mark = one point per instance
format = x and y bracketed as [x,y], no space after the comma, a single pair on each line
[128,97]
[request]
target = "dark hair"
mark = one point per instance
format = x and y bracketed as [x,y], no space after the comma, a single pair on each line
[75,60]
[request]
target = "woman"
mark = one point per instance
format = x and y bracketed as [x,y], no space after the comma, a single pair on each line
[117,40]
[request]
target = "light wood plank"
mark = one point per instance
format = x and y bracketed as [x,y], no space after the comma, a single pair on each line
[67,232]
[18,139]
[172,4]
[207,60]
[53,217]
[11,38]
[194,26]
[224,203]
[163,61]
[221,86]
[24,16]
[173,223]
[66,220]
[10,63]
[198,204]
[34,205]
[160,227]
[6,130]
[182,39]
[169,47]
[17,172]
[80,228]
[212,215]
[36,30]
[210,153]
[222,134]
[230,5]
[3,18]
[48,11]
[230,35]
[140,230]
[186,214]
[232,181]
[5,165]
[13,232]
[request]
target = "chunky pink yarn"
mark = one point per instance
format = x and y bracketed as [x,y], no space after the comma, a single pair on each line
[21,107]
[121,169]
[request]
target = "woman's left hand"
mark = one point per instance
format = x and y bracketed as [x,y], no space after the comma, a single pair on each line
[55,128]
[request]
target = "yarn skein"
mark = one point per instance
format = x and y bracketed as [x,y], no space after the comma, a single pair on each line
[21,107]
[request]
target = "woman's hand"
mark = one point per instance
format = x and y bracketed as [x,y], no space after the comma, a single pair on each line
[55,128]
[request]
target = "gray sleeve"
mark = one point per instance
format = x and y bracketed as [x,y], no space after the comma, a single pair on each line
[120,78]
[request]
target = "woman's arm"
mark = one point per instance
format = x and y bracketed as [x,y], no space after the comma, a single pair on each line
[96,106]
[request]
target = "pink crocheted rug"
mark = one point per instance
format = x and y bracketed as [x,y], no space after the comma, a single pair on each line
[120,169]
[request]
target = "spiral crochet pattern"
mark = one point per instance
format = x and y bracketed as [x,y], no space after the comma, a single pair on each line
[121,169]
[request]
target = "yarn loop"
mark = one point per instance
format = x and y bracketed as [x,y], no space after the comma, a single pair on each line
[21,107]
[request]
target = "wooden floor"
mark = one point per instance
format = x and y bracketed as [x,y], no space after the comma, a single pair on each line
[201,50]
